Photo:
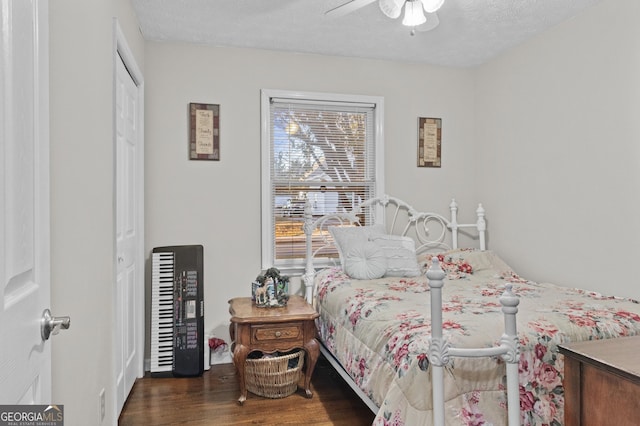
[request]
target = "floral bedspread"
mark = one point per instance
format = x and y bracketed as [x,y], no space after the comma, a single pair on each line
[379,330]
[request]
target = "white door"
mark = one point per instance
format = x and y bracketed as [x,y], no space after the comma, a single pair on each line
[130,273]
[25,358]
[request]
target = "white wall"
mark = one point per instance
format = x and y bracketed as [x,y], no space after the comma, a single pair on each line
[217,204]
[81,104]
[557,122]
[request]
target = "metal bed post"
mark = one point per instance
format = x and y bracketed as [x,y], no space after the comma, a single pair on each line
[438,347]
[481,224]
[453,207]
[509,340]
[309,270]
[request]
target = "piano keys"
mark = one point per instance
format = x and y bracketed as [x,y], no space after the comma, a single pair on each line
[177,311]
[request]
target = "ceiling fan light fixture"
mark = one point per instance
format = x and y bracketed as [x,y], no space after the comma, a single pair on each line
[391,8]
[413,13]
[431,6]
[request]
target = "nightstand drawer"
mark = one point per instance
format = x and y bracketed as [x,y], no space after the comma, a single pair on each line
[271,332]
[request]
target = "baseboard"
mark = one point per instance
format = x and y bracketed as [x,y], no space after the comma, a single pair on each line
[220,358]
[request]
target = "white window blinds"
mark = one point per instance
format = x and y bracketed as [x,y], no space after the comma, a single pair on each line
[324,151]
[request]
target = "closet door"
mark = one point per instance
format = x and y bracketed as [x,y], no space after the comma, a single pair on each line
[129,303]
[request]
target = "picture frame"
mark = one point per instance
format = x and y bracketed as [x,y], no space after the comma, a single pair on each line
[429,142]
[204,131]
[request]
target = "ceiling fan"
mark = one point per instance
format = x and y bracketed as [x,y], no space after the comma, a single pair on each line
[414,11]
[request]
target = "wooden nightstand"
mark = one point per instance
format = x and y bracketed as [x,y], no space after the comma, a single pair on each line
[270,330]
[601,382]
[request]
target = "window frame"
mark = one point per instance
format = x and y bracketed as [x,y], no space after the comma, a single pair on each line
[296,266]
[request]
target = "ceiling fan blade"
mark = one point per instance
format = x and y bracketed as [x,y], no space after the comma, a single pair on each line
[347,8]
[432,22]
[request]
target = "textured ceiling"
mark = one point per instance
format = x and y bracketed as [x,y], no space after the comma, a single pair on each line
[470,31]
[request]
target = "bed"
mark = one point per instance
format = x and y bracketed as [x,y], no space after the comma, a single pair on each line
[379,330]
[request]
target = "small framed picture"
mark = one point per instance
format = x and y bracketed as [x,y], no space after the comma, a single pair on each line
[204,131]
[429,142]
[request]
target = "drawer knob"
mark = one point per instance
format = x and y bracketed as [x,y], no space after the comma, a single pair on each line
[278,334]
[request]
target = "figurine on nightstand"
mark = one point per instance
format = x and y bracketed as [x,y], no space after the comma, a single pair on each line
[271,289]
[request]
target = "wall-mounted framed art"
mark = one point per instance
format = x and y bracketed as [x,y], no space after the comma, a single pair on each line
[204,131]
[429,142]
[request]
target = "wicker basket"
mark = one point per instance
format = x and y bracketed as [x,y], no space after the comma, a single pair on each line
[272,377]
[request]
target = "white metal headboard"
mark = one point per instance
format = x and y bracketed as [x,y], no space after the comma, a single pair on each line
[429,230]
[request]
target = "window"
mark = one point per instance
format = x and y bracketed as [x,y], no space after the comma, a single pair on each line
[323,147]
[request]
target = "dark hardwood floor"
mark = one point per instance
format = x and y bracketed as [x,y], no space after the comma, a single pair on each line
[213,400]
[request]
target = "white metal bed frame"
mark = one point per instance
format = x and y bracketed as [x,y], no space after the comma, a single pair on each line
[419,225]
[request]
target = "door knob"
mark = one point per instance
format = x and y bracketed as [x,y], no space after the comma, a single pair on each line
[52,325]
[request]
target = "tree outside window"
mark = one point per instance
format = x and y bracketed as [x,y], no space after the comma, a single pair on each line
[321,151]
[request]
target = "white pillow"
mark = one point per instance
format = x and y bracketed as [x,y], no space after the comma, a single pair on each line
[346,237]
[401,255]
[365,261]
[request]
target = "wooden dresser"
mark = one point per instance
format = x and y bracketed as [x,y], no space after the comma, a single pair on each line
[602,382]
